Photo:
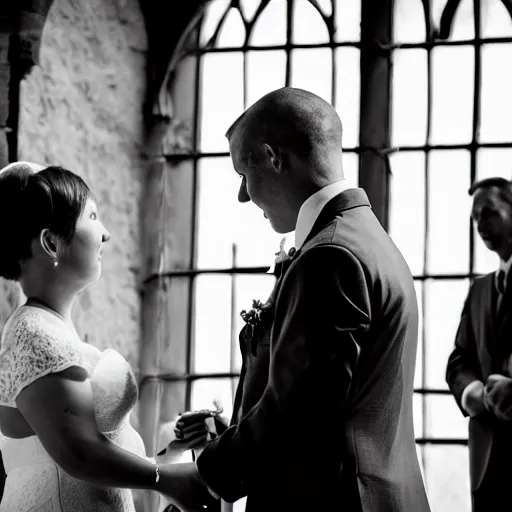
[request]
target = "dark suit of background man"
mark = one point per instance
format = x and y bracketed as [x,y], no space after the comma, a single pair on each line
[479,368]
[327,424]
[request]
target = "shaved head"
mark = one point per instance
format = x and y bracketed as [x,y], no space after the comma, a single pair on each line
[286,147]
[292,119]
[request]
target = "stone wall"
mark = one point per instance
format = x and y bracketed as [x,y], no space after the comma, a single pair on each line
[82,109]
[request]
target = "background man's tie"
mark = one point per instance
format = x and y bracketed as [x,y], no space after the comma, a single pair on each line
[500,286]
[500,282]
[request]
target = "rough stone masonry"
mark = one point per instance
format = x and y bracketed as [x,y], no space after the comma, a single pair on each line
[82,108]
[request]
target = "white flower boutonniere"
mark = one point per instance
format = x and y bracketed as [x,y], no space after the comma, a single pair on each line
[281,256]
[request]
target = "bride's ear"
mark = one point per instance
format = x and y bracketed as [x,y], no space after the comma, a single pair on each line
[49,243]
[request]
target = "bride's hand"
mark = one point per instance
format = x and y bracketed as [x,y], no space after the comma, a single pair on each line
[183,487]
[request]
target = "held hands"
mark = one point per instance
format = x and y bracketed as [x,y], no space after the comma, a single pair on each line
[498,396]
[189,431]
[475,400]
[181,483]
[172,447]
[192,429]
[197,428]
[183,487]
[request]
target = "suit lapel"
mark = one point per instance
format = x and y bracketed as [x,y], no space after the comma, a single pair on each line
[489,314]
[488,336]
[504,313]
[238,397]
[347,200]
[279,271]
[504,324]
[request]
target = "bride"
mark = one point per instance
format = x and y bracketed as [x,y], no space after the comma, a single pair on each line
[64,405]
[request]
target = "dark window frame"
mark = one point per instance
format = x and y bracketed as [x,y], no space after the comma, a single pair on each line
[376,47]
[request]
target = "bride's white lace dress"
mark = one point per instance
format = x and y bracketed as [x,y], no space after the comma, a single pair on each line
[36,343]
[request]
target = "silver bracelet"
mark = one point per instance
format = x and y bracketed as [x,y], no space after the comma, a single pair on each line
[157,469]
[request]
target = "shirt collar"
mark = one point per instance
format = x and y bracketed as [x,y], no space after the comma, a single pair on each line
[312,207]
[505,266]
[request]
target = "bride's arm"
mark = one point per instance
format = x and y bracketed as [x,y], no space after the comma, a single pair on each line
[59,408]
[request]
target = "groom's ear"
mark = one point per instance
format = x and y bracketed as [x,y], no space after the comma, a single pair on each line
[273,157]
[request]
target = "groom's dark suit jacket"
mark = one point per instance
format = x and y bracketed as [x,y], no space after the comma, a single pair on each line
[482,346]
[323,413]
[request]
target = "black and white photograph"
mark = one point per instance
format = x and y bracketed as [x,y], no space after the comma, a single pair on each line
[255,255]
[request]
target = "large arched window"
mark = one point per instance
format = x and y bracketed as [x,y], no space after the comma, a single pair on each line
[449,107]
[247,51]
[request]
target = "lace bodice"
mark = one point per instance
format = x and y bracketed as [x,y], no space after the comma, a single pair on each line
[36,343]
[114,389]
[33,346]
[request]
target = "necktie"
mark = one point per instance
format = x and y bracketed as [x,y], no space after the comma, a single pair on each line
[500,282]
[500,286]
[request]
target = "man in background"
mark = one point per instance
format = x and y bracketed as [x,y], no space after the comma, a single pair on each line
[479,369]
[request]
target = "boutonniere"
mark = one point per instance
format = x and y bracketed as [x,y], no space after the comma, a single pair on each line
[282,256]
[257,320]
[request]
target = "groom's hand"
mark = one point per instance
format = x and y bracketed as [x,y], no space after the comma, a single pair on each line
[183,486]
[498,396]
[195,429]
[173,442]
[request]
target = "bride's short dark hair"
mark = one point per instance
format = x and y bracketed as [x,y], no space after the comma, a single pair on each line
[53,198]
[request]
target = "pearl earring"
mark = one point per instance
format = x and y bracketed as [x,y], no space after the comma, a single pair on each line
[55,263]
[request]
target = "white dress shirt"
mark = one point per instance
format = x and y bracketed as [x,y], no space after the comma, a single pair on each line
[505,266]
[312,207]
[308,214]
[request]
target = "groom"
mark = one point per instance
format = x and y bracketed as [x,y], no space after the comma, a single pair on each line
[332,426]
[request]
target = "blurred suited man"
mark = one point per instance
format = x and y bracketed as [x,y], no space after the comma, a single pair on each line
[479,369]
